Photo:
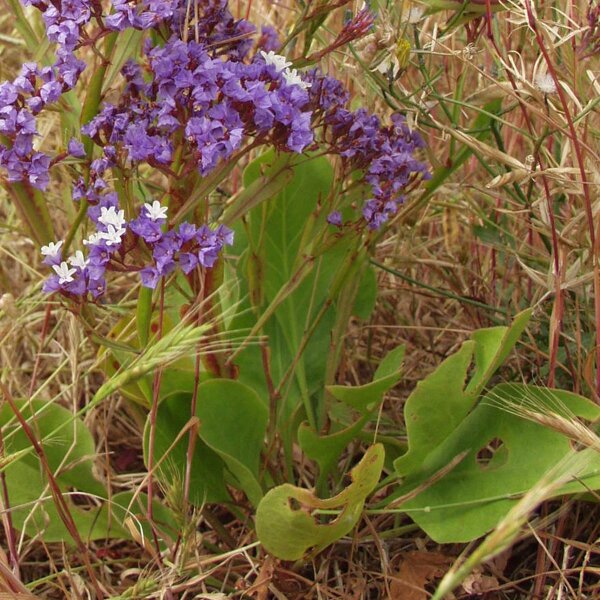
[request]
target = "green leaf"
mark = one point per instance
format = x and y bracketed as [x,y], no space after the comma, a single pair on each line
[143,317]
[364,303]
[233,423]
[260,190]
[326,449]
[478,492]
[492,347]
[127,46]
[364,397]
[33,211]
[289,532]
[435,408]
[69,449]
[442,400]
[278,270]
[207,473]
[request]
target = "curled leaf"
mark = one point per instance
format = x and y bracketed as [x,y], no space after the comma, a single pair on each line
[286,527]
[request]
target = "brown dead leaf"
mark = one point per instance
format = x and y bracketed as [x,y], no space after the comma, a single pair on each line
[260,588]
[416,570]
[478,584]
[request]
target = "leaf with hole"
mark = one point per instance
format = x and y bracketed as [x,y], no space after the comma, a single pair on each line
[443,399]
[286,526]
[505,456]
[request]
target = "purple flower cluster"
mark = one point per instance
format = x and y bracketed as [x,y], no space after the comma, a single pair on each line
[201,101]
[209,103]
[189,246]
[114,240]
[20,101]
[385,154]
[144,15]
[64,20]
[37,87]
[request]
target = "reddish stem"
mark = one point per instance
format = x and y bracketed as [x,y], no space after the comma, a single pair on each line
[153,414]
[9,530]
[38,357]
[59,502]
[584,182]
[555,247]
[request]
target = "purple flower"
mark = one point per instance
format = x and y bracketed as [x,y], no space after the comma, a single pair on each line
[52,253]
[8,94]
[269,39]
[37,170]
[75,148]
[150,277]
[188,261]
[335,218]
[66,34]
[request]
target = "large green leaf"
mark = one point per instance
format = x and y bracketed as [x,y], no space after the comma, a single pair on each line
[233,423]
[69,449]
[479,491]
[207,482]
[443,399]
[289,531]
[280,268]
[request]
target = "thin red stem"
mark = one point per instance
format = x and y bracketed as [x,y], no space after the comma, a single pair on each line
[153,414]
[38,357]
[61,505]
[584,182]
[7,518]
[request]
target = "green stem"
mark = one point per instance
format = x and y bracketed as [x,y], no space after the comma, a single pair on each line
[33,211]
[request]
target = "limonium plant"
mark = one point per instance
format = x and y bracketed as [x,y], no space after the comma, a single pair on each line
[184,100]
[198,96]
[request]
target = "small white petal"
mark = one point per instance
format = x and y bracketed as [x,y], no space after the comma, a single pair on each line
[52,249]
[78,260]
[155,211]
[109,216]
[65,275]
[112,237]
[279,62]
[292,77]
[92,240]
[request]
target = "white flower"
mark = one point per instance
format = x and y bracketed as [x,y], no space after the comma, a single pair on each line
[545,83]
[276,60]
[92,240]
[78,260]
[292,77]
[109,216]
[112,237]
[155,211]
[52,249]
[65,275]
